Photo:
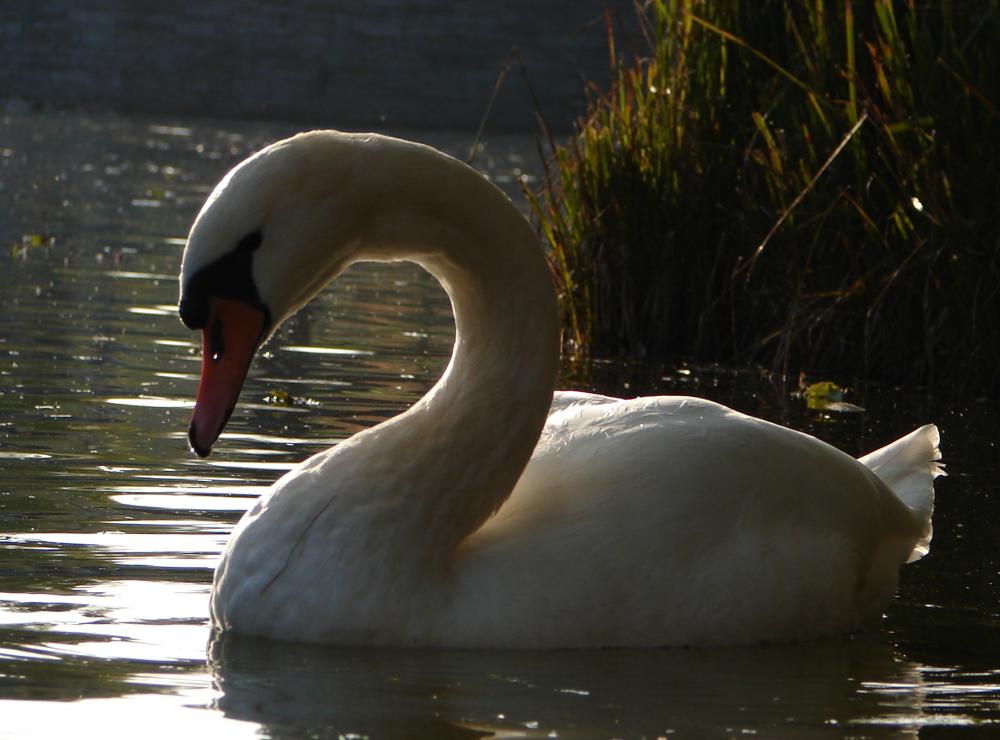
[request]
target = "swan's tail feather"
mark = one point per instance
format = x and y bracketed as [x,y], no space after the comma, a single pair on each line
[909,466]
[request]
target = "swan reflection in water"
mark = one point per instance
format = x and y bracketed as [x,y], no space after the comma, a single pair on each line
[792,691]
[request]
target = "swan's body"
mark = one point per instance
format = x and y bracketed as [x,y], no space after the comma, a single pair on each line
[652,521]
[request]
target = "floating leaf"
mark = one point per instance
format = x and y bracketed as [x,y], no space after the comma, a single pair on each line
[828,396]
[283,398]
[279,397]
[824,390]
[37,240]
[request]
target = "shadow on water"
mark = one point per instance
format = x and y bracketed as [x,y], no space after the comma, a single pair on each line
[109,528]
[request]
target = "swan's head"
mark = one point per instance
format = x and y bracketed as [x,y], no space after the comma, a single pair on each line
[278,227]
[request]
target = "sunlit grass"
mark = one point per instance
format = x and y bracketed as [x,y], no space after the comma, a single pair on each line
[810,186]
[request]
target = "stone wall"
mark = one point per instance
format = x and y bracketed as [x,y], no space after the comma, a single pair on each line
[413,63]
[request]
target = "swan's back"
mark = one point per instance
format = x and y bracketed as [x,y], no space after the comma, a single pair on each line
[673,520]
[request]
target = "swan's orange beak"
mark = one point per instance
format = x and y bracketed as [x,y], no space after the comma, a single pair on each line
[234,331]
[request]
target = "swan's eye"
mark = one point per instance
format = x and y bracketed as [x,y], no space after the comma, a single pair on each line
[217,346]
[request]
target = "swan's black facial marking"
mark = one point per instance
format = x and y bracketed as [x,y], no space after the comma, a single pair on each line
[230,276]
[250,242]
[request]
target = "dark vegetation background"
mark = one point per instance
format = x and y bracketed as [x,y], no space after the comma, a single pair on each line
[809,186]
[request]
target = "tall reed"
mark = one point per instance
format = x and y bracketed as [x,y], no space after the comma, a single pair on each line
[811,186]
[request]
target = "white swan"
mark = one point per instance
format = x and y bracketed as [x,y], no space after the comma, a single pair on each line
[480,517]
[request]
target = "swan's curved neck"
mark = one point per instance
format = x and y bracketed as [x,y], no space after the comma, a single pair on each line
[450,461]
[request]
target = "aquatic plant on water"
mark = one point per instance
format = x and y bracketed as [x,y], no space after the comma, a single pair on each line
[809,186]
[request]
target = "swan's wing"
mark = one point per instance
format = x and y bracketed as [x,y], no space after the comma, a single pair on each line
[655,452]
[562,400]
[674,519]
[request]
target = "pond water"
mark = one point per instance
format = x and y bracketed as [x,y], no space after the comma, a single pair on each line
[110,528]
